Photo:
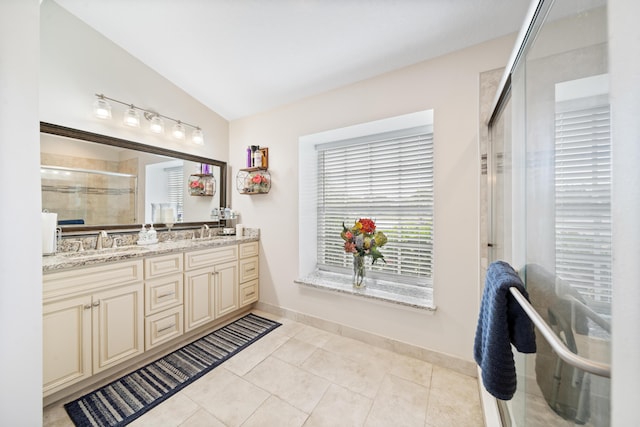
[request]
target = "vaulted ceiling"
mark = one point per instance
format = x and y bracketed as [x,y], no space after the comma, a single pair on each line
[241,57]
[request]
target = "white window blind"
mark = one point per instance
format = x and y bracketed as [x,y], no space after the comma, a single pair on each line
[583,201]
[388,178]
[176,188]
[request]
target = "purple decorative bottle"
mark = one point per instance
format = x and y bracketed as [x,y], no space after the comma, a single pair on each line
[248,157]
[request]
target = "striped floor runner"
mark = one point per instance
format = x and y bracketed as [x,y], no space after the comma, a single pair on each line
[127,398]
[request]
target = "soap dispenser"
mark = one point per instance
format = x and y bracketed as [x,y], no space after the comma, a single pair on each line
[152,234]
[143,235]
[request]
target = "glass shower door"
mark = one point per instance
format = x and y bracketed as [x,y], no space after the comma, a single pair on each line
[550,176]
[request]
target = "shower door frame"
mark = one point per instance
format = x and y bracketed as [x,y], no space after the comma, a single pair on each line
[503,102]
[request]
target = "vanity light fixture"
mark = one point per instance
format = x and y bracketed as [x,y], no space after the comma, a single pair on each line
[178,131]
[197,137]
[102,110]
[156,124]
[131,117]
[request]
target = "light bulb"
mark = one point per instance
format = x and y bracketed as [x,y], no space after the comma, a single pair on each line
[156,125]
[197,137]
[131,117]
[178,131]
[101,108]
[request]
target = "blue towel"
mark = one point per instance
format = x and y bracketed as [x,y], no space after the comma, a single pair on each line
[501,322]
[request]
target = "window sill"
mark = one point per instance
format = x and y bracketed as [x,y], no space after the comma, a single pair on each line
[420,298]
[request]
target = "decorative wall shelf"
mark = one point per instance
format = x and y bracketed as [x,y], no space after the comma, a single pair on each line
[201,184]
[253,181]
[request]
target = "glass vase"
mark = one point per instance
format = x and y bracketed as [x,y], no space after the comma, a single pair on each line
[359,272]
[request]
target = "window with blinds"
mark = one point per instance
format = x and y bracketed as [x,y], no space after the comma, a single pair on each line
[388,178]
[583,201]
[176,187]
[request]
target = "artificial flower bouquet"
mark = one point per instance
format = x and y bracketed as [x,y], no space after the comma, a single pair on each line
[363,240]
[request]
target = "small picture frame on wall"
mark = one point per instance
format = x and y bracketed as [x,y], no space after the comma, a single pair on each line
[265,157]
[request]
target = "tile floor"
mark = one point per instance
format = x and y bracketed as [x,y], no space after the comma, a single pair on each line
[298,375]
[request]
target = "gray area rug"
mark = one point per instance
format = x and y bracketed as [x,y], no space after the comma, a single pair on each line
[127,398]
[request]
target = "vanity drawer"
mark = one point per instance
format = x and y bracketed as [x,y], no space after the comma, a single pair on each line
[162,293]
[161,265]
[209,257]
[163,327]
[249,292]
[248,249]
[249,269]
[62,283]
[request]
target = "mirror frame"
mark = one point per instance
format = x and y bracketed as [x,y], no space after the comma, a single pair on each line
[52,129]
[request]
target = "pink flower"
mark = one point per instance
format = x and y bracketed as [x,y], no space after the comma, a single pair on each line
[349,247]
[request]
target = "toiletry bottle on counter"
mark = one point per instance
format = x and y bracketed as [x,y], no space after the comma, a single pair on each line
[143,234]
[152,234]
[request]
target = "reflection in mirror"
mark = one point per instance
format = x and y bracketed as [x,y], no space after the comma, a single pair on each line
[92,180]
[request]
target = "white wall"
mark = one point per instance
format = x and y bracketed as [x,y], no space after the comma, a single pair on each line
[20,241]
[77,62]
[449,86]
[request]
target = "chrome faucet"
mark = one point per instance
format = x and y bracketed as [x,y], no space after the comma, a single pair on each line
[202,230]
[101,235]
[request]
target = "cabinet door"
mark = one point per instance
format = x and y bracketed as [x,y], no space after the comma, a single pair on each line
[226,288]
[118,325]
[66,342]
[198,295]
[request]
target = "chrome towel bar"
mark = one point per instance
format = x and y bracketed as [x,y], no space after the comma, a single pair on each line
[587,365]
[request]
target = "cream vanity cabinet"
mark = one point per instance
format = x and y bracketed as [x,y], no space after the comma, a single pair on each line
[92,320]
[210,285]
[163,299]
[249,272]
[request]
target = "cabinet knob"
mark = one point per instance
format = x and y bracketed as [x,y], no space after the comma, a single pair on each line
[87,306]
[96,303]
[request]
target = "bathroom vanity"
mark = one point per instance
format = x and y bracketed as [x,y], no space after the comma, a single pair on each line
[106,311]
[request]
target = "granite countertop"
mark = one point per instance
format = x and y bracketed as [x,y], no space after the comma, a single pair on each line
[68,260]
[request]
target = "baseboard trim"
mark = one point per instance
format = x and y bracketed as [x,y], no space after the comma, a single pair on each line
[434,357]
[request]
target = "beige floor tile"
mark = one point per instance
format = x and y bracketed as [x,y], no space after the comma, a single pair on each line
[201,419]
[228,397]
[454,400]
[299,375]
[361,377]
[294,351]
[276,412]
[340,407]
[359,351]
[248,358]
[289,327]
[399,402]
[313,336]
[290,383]
[171,412]
[56,416]
[417,371]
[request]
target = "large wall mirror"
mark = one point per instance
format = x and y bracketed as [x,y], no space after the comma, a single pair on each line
[95,181]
